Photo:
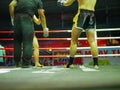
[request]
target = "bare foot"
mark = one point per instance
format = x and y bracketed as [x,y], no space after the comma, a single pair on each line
[38,65]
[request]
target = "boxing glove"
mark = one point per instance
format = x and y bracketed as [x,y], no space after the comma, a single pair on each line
[45,32]
[60,2]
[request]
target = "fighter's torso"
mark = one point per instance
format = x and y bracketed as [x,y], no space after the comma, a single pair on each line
[86,4]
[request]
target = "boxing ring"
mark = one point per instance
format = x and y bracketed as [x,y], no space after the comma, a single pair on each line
[6,32]
[57,77]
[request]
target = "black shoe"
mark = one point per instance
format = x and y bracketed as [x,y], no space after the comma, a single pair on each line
[69,66]
[18,65]
[25,66]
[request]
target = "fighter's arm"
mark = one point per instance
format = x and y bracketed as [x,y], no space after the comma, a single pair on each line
[68,2]
[65,2]
[42,18]
[12,5]
[36,20]
[43,22]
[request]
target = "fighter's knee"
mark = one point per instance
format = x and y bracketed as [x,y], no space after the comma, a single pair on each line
[91,41]
[73,42]
[36,47]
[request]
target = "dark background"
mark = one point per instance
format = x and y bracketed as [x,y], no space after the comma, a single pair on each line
[107,14]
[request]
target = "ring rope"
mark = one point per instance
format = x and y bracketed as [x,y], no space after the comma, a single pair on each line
[55,56]
[42,39]
[67,48]
[50,31]
[58,31]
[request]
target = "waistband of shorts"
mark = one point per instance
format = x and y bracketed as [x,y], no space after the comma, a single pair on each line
[85,10]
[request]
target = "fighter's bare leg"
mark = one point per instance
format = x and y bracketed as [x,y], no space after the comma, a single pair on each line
[73,45]
[36,52]
[74,39]
[93,44]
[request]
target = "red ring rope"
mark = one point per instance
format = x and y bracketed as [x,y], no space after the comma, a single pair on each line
[58,31]
[50,31]
[55,56]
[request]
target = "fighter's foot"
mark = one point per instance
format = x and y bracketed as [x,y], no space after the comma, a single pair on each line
[38,65]
[18,66]
[96,67]
[69,66]
[82,67]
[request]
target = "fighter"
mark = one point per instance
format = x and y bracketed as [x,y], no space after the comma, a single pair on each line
[36,44]
[83,20]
